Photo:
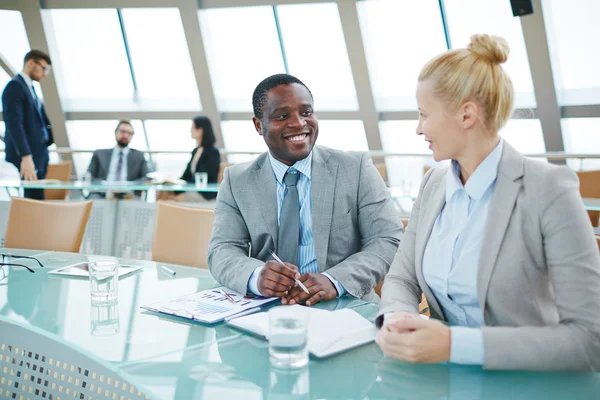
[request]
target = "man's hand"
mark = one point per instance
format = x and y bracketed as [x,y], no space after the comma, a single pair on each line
[413,339]
[28,169]
[319,287]
[276,280]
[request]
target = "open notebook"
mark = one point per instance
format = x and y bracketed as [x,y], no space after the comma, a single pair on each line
[329,332]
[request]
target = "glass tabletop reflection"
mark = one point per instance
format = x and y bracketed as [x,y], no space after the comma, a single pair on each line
[118,333]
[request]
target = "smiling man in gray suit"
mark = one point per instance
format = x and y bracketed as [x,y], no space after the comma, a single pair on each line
[121,163]
[326,213]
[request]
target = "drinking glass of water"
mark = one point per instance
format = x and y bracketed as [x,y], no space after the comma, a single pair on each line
[201,179]
[103,281]
[288,336]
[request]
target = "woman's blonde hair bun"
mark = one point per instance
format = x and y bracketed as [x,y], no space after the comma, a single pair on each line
[492,48]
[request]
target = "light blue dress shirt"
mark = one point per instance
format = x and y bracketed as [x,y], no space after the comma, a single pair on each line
[451,258]
[114,161]
[307,255]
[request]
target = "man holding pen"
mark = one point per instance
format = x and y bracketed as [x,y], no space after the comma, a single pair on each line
[326,214]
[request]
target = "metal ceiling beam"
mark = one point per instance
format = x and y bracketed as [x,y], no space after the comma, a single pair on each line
[548,110]
[360,71]
[195,43]
[32,18]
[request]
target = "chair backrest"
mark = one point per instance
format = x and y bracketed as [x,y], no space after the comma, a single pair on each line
[382,169]
[181,234]
[46,225]
[62,172]
[589,186]
[222,167]
[38,365]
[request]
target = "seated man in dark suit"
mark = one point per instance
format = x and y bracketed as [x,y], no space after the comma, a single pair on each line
[120,163]
[28,131]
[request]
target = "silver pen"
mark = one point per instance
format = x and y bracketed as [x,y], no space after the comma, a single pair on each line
[297,281]
[170,271]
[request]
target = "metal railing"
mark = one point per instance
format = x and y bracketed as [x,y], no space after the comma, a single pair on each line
[375,153]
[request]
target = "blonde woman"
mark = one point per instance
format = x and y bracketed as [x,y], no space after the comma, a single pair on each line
[499,244]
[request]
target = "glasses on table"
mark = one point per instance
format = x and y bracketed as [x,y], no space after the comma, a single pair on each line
[4,256]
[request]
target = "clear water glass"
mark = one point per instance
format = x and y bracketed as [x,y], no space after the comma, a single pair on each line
[104,281]
[288,337]
[201,179]
[105,319]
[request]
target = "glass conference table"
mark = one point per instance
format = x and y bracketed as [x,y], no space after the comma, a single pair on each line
[102,186]
[172,358]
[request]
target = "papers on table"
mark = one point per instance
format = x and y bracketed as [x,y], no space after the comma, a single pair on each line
[329,332]
[210,306]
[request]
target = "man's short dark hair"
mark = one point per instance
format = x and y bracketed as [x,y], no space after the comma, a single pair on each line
[259,97]
[124,121]
[37,55]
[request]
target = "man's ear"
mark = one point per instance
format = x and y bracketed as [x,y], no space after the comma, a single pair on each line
[257,125]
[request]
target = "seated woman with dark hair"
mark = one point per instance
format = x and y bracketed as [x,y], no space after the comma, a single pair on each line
[205,158]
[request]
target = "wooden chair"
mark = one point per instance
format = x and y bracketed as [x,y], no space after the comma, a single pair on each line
[46,225]
[589,186]
[62,172]
[222,167]
[382,169]
[181,234]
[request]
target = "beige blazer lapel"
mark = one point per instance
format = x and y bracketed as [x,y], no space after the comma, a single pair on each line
[323,183]
[502,205]
[430,209]
[263,177]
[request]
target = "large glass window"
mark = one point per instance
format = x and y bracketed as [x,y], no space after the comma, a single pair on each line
[92,68]
[572,28]
[242,57]
[525,135]
[343,135]
[317,55]
[394,55]
[404,172]
[7,171]
[581,135]
[4,79]
[170,135]
[241,136]
[161,60]
[13,46]
[468,17]
[13,38]
[93,135]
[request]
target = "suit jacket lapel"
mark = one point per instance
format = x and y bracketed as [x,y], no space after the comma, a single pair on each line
[323,180]
[262,178]
[430,209]
[502,205]
[20,79]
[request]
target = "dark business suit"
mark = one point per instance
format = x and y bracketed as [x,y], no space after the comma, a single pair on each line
[24,136]
[209,162]
[137,167]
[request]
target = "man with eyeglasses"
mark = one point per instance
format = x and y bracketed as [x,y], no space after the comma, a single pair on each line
[28,131]
[119,164]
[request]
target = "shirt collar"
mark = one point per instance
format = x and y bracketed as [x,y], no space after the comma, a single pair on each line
[279,168]
[480,181]
[27,79]
[116,150]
